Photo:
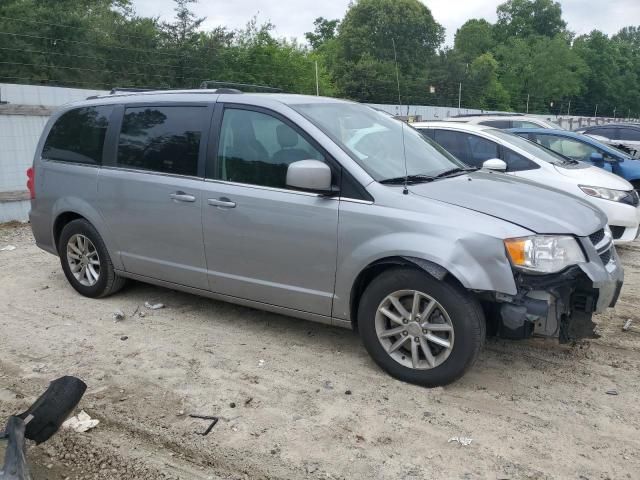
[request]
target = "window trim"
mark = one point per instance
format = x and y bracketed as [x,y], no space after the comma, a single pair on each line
[111,162]
[211,161]
[105,144]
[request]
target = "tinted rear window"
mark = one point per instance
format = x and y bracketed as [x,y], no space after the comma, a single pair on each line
[78,136]
[162,139]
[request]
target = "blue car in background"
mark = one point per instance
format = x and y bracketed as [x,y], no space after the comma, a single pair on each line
[585,149]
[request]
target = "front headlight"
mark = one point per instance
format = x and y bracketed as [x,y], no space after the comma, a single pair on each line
[544,253]
[605,193]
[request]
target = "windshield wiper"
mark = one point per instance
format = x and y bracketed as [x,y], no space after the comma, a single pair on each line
[446,173]
[409,179]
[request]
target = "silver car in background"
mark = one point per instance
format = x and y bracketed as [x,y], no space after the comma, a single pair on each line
[320,209]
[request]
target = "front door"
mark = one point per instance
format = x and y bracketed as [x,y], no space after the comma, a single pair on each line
[263,241]
[151,196]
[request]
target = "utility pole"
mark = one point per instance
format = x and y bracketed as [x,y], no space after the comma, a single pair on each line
[527,103]
[317,82]
[569,107]
[595,115]
[395,57]
[459,97]
[614,112]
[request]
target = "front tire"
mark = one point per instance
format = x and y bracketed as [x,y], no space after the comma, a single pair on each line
[419,329]
[86,262]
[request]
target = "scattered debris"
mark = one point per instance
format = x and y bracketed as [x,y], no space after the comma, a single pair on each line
[213,419]
[42,367]
[118,316]
[135,311]
[232,404]
[81,423]
[8,248]
[155,306]
[328,385]
[248,401]
[141,314]
[627,325]
[261,363]
[464,441]
[180,413]
[613,391]
[124,337]
[347,392]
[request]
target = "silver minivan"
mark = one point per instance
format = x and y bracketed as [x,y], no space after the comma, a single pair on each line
[320,209]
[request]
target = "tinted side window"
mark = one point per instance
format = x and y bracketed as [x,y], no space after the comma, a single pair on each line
[471,149]
[497,123]
[162,139]
[524,124]
[257,148]
[629,134]
[516,162]
[608,132]
[568,147]
[78,136]
[453,142]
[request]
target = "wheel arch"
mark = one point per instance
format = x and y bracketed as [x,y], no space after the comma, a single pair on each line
[69,209]
[374,269]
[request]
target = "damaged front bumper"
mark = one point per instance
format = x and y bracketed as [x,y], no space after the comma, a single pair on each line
[562,305]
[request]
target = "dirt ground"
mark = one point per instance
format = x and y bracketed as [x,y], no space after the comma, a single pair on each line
[302,400]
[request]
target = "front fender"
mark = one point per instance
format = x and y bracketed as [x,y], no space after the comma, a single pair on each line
[476,260]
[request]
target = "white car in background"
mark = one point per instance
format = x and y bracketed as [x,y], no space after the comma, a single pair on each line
[486,147]
[503,122]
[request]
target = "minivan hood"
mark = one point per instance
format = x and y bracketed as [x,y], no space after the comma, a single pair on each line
[521,202]
[594,177]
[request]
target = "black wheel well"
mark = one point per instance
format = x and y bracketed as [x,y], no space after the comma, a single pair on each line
[374,269]
[60,222]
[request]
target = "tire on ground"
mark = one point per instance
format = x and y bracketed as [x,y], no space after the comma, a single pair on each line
[108,281]
[466,315]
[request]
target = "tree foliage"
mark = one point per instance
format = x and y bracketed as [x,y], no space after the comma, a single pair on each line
[379,51]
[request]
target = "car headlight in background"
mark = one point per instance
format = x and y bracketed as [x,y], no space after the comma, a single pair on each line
[544,253]
[608,194]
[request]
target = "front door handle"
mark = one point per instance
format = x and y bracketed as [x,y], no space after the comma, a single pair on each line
[222,202]
[182,197]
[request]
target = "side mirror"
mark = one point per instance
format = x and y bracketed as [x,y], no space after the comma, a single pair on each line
[596,157]
[310,175]
[495,164]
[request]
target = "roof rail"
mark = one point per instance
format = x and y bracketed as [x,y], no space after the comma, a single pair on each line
[130,90]
[497,114]
[233,87]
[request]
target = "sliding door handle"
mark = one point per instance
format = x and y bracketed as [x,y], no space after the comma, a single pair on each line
[222,202]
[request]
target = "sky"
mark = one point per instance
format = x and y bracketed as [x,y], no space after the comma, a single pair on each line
[292,18]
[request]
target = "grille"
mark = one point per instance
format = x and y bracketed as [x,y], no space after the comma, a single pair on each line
[605,257]
[617,231]
[597,237]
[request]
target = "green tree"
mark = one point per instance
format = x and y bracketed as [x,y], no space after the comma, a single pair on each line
[364,63]
[324,31]
[524,18]
[474,38]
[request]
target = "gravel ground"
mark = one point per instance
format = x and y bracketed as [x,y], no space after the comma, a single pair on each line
[302,400]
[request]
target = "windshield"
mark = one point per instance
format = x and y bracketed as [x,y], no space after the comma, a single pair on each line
[378,142]
[531,148]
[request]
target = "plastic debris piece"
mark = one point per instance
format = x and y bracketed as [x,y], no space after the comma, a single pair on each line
[8,248]
[155,306]
[613,391]
[464,441]
[261,363]
[627,325]
[118,315]
[81,423]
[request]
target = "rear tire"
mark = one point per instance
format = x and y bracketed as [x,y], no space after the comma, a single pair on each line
[86,262]
[419,329]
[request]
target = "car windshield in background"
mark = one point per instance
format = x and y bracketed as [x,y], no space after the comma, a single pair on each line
[379,143]
[531,148]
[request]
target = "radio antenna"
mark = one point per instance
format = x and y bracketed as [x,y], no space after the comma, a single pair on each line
[405,190]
